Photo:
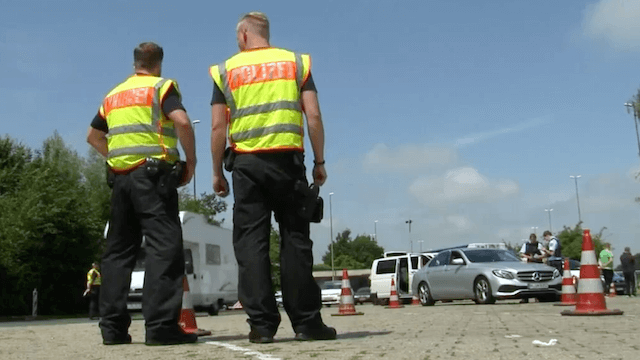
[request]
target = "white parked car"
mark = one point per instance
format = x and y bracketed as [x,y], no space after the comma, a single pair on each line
[331,291]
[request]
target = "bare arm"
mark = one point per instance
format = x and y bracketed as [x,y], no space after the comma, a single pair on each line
[316,133]
[218,143]
[98,139]
[182,124]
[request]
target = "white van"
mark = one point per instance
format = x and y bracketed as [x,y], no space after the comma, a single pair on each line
[210,266]
[401,268]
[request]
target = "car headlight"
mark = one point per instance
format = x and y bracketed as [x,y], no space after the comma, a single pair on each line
[505,274]
[556,273]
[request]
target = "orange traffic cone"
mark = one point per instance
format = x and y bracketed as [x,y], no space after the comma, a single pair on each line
[590,294]
[568,289]
[612,290]
[187,315]
[394,303]
[346,298]
[415,300]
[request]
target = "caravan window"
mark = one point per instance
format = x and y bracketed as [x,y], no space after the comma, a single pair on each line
[212,254]
[386,267]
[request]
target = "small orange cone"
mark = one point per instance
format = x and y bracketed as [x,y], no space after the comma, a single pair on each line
[568,289]
[346,298]
[590,294]
[187,315]
[394,303]
[415,300]
[612,290]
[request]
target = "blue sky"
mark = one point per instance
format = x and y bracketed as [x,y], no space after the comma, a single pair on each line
[466,117]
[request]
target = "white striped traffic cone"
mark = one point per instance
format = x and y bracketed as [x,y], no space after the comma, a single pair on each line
[590,294]
[569,297]
[187,315]
[347,306]
[394,302]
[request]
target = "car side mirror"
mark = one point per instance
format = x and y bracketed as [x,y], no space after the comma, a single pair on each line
[457,261]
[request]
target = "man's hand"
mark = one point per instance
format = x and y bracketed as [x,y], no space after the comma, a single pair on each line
[319,175]
[188,172]
[86,292]
[220,185]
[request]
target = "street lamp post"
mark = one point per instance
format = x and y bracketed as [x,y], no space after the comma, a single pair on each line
[577,197]
[409,222]
[632,107]
[549,212]
[333,271]
[375,230]
[195,194]
[420,241]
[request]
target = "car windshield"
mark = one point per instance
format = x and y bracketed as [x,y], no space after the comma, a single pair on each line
[490,255]
[332,285]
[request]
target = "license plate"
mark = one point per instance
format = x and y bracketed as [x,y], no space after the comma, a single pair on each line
[134,306]
[538,286]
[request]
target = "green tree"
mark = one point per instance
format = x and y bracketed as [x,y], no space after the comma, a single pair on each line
[208,205]
[358,253]
[571,241]
[274,256]
[48,232]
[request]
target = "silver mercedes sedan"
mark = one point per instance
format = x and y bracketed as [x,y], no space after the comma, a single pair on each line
[484,275]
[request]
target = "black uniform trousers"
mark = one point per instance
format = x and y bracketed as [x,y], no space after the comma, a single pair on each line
[139,206]
[94,298]
[629,282]
[262,184]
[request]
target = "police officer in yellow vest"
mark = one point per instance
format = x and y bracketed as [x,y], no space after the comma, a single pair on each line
[137,129]
[94,280]
[266,91]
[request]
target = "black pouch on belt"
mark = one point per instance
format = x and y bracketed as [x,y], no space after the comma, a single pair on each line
[229,159]
[111,176]
[311,204]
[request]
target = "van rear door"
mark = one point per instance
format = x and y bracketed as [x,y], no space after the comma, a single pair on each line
[383,270]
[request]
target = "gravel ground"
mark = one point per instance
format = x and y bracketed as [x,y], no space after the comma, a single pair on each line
[506,330]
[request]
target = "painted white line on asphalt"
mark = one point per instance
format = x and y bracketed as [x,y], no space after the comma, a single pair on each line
[245,351]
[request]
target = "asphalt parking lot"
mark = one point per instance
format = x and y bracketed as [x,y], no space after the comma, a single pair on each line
[460,330]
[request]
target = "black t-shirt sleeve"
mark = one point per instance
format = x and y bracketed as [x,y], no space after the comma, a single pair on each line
[99,123]
[309,85]
[172,101]
[218,96]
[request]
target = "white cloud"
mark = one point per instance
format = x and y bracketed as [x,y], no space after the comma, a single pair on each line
[487,135]
[408,157]
[615,22]
[460,185]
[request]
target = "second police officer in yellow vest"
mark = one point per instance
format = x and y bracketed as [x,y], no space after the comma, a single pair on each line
[266,91]
[137,129]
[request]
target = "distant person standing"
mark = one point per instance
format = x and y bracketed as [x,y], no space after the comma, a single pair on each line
[554,251]
[94,280]
[532,252]
[629,270]
[606,265]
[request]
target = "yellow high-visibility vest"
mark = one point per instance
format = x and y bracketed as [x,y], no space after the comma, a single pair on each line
[97,280]
[137,126]
[262,90]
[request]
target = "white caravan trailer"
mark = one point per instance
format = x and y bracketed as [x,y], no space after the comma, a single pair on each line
[210,266]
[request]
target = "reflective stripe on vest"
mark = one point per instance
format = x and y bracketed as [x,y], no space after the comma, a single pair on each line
[125,149]
[263,126]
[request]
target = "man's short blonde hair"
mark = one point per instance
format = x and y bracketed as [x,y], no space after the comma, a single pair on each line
[256,22]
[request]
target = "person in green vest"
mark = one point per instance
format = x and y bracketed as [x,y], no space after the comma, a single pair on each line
[606,266]
[94,280]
